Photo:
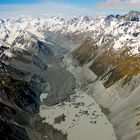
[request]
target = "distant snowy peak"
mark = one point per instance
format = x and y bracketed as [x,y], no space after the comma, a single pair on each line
[122,30]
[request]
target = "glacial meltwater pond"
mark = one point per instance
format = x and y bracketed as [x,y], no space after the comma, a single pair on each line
[81,118]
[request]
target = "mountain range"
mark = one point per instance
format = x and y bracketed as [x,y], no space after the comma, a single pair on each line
[32,54]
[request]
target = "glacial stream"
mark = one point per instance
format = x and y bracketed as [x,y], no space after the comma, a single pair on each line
[80,117]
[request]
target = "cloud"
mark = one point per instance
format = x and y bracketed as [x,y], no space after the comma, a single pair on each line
[48,7]
[119,4]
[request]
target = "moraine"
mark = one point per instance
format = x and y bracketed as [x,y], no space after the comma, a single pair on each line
[80,117]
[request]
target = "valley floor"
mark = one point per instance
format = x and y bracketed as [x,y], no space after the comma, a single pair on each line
[80,117]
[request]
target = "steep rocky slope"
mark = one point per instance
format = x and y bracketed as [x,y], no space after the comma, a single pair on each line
[18,100]
[116,64]
[24,67]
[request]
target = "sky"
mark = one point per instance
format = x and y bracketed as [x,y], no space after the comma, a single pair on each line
[66,7]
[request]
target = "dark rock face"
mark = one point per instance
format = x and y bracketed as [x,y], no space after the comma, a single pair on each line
[60,118]
[46,50]
[18,104]
[20,89]
[110,17]
[12,132]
